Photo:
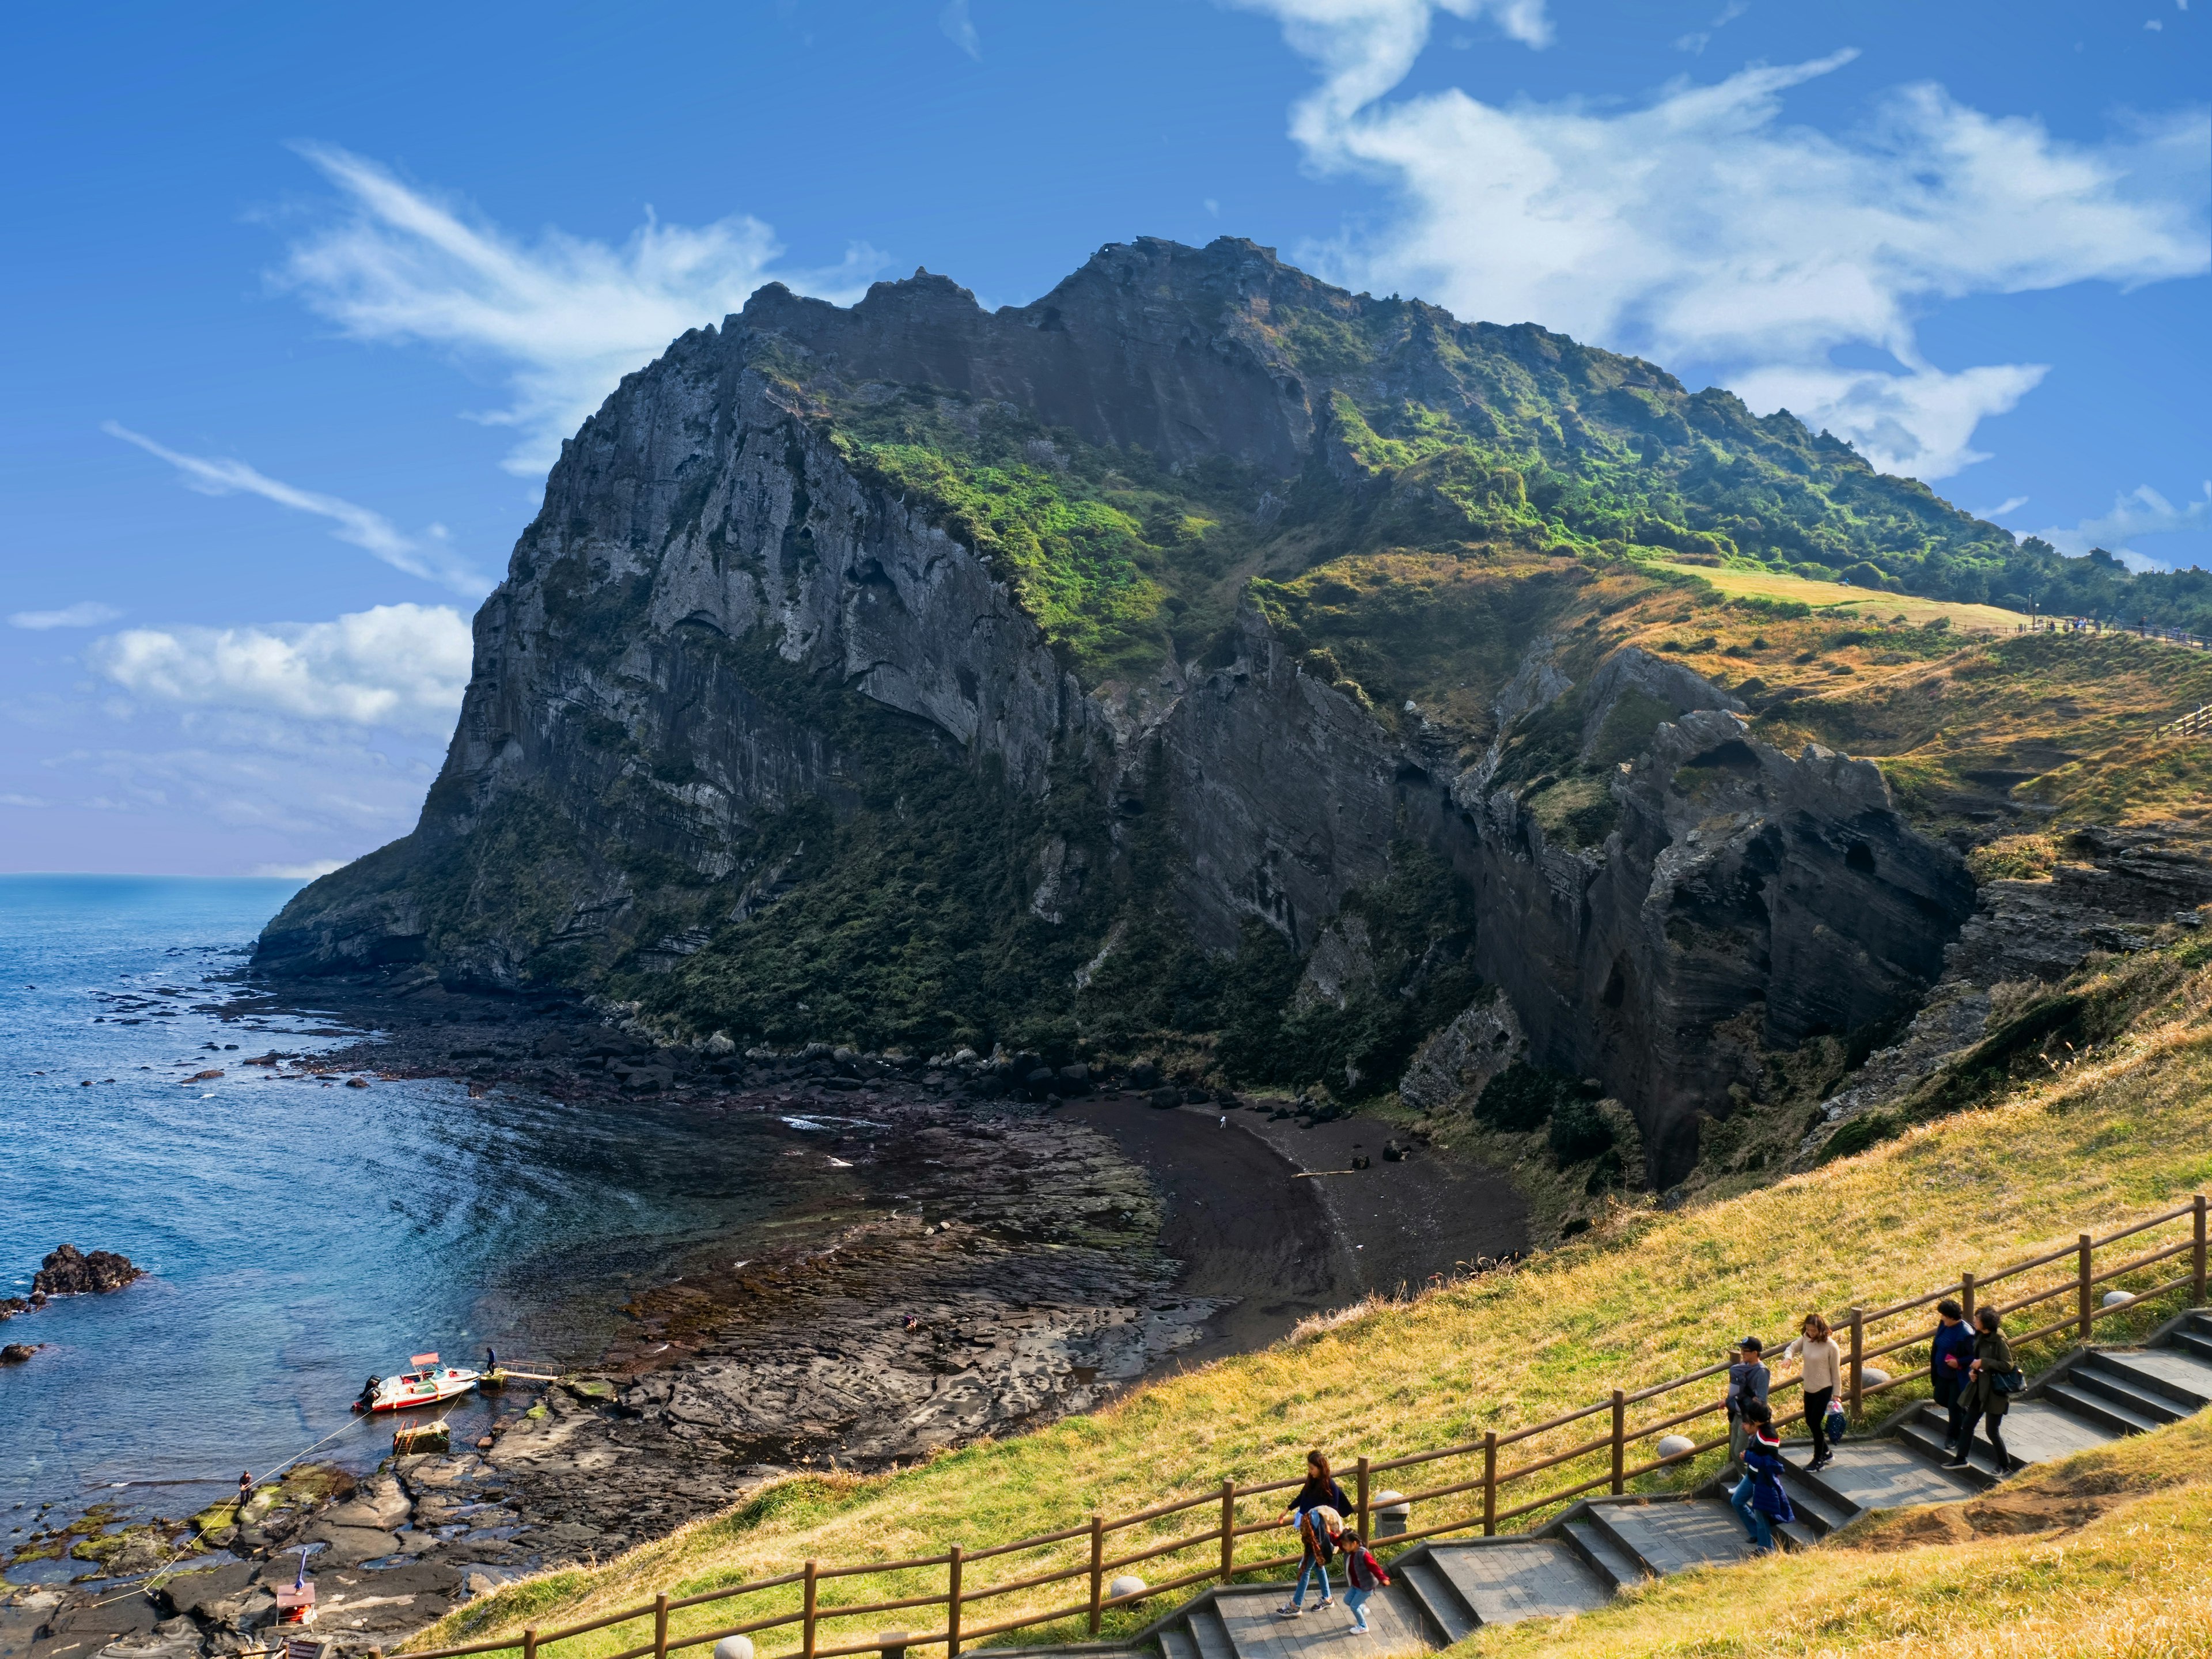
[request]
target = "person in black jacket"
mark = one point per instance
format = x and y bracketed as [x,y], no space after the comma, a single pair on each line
[1319,1492]
[1986,1399]
[1949,1358]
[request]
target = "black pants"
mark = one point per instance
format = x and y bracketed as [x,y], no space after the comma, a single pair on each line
[1951,1395]
[1816,1419]
[1991,1422]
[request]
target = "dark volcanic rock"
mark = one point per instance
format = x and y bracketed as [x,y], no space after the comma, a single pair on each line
[710,555]
[70,1272]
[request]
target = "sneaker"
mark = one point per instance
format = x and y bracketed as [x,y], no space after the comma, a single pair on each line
[1359,1630]
[1325,1601]
[1289,1610]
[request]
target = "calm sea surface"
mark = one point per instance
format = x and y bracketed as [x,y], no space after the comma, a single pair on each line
[297,1237]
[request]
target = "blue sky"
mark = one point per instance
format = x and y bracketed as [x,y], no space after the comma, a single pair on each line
[301,303]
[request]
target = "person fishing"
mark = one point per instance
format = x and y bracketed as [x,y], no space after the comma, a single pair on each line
[245,1496]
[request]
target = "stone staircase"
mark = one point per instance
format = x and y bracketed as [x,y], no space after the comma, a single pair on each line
[1442,1591]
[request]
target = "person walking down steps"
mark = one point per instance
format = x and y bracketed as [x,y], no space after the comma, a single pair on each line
[1747,1381]
[1760,1500]
[1950,1359]
[1821,1364]
[1993,1381]
[1363,1576]
[1321,1496]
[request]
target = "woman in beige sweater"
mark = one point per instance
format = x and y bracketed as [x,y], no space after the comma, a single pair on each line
[1822,1366]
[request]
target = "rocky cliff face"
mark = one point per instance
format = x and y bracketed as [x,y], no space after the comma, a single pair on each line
[743,670]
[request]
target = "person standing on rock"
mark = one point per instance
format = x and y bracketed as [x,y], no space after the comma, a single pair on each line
[1747,1381]
[1993,1381]
[245,1496]
[1949,1358]
[1321,1493]
[1820,1365]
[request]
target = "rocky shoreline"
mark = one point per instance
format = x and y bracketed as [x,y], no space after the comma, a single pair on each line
[1025,1242]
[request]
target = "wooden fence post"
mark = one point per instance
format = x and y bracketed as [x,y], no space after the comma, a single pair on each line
[1228,1529]
[2196,1294]
[529,1644]
[952,1606]
[1967,1295]
[1619,1442]
[1363,1501]
[660,1626]
[2082,1280]
[1490,1483]
[1097,1568]
[1858,1360]
[806,1622]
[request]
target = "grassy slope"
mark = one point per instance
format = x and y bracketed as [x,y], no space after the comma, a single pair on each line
[2122,1131]
[2109,1552]
[1740,581]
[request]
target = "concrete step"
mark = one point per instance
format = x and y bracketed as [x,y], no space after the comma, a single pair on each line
[1924,1434]
[1890,1474]
[2091,1375]
[1177,1644]
[1674,1537]
[1424,1577]
[2040,1431]
[1503,1581]
[1820,1511]
[2166,1372]
[1396,1627]
[1616,1567]
[2106,1401]
[2192,1342]
[1209,1634]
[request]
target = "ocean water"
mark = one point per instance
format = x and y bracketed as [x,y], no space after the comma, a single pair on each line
[297,1237]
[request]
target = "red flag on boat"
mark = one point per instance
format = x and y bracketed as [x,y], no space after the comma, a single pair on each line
[422,1359]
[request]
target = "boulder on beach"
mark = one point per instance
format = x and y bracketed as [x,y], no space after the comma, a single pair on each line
[70,1272]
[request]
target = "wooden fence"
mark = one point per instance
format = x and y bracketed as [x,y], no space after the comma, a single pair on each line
[2189,726]
[1478,1488]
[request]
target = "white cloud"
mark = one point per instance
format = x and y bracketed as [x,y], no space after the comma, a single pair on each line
[87,613]
[960,28]
[1697,228]
[564,317]
[307,871]
[2137,512]
[24,800]
[398,666]
[425,556]
[1699,40]
[2010,504]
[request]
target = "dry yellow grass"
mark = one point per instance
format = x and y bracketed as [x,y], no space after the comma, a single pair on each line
[2135,1580]
[1828,596]
[1658,1296]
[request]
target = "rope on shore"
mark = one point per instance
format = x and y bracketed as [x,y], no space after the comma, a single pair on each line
[145,1584]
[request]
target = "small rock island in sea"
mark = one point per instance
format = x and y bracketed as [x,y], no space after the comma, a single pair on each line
[69,1272]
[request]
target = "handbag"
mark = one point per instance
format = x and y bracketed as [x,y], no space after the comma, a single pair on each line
[1836,1422]
[2011,1382]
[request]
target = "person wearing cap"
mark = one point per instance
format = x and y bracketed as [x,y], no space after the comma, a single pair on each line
[1746,1381]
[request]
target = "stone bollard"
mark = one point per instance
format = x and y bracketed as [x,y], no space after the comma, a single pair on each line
[2118,1298]
[1671,1446]
[1392,1513]
[735,1647]
[1127,1584]
[891,1643]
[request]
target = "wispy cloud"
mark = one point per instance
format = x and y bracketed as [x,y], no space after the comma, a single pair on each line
[398,667]
[425,556]
[87,613]
[563,319]
[33,801]
[1697,41]
[307,871]
[960,28]
[1700,228]
[2136,513]
[2010,504]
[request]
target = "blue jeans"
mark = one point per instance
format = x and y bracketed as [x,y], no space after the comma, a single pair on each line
[1312,1567]
[1753,1522]
[1355,1603]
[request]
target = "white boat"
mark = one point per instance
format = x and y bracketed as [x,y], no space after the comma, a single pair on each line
[424,1383]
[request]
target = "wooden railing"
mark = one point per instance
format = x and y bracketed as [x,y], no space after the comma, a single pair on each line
[2189,726]
[1483,1493]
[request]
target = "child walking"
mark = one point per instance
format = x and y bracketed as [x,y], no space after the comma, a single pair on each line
[1364,1575]
[1759,1497]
